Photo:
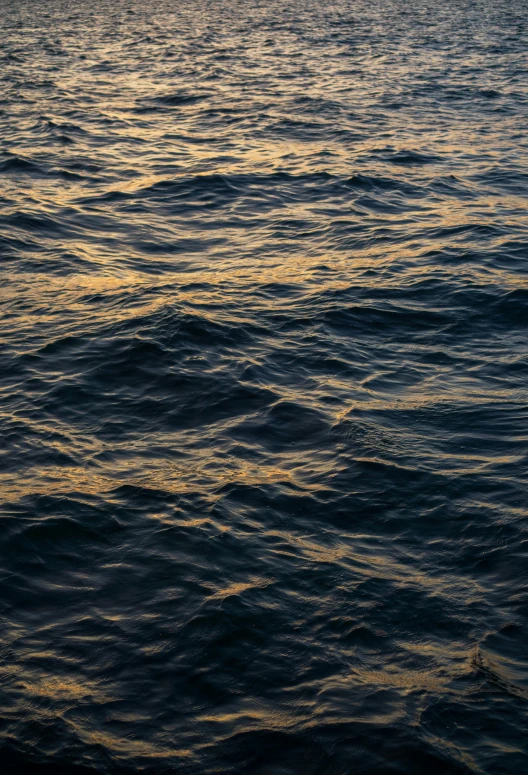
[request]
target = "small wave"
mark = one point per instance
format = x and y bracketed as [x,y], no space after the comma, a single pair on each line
[19,165]
[171,100]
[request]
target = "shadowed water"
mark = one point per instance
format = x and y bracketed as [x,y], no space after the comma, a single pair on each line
[264,387]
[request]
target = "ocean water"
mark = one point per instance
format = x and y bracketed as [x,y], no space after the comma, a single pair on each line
[264,400]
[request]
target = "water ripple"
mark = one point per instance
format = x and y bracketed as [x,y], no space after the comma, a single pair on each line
[263,387]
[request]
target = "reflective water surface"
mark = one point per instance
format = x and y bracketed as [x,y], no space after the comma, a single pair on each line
[264,387]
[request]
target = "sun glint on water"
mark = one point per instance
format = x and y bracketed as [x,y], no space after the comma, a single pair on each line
[263,387]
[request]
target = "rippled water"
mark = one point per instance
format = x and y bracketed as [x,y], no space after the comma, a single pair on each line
[264,401]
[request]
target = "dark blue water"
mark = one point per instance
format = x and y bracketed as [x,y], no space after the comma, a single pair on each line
[264,401]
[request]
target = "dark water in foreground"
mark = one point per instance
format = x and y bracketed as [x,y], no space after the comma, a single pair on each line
[263,387]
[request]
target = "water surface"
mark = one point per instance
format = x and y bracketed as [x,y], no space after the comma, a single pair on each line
[263,387]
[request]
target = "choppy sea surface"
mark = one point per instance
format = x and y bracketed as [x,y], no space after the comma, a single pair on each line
[263,387]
